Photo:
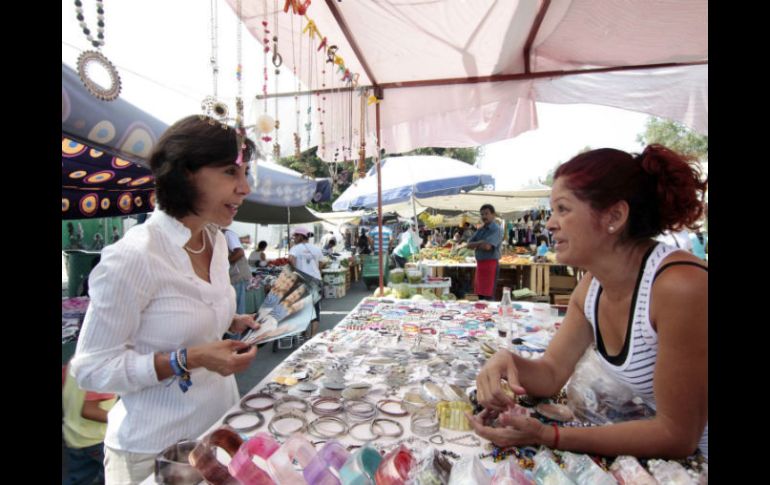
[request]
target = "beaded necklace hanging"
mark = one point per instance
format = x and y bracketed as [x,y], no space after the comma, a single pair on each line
[214,109]
[297,152]
[277,62]
[265,123]
[92,57]
[240,129]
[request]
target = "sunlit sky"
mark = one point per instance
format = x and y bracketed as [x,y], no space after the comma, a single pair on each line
[162,51]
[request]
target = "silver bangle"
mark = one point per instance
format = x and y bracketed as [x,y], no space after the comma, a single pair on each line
[353,409]
[374,436]
[286,399]
[257,395]
[425,425]
[377,421]
[381,404]
[315,405]
[287,415]
[315,431]
[245,429]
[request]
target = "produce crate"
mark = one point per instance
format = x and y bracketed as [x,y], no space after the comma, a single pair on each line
[347,281]
[332,292]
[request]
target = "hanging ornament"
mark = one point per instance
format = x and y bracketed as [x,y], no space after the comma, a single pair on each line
[265,124]
[213,109]
[297,7]
[91,58]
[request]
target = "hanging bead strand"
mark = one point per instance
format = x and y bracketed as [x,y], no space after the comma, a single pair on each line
[99,41]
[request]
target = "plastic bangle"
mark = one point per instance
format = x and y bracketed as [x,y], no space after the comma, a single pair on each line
[280,463]
[258,395]
[361,467]
[243,468]
[245,429]
[395,467]
[173,467]
[203,456]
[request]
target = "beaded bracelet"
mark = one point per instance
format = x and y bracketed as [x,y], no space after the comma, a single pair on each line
[257,395]
[245,429]
[280,402]
[313,427]
[376,422]
[325,411]
[287,415]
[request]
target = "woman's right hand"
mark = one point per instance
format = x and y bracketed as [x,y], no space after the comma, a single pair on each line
[221,356]
[489,391]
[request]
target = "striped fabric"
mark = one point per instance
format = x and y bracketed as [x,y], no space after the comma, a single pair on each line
[146,298]
[638,368]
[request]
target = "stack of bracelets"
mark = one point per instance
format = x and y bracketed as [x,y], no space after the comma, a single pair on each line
[178,361]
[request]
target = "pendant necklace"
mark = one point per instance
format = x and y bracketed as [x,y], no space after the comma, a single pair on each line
[95,57]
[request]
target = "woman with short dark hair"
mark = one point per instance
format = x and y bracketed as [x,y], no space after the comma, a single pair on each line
[161,301]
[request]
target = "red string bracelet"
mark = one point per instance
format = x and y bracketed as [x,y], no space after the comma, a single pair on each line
[556,439]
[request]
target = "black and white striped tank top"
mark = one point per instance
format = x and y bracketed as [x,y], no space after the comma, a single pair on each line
[635,364]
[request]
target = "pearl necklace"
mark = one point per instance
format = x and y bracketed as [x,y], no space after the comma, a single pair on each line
[100,23]
[199,251]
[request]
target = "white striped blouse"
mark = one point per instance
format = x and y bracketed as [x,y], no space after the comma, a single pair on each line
[146,298]
[635,365]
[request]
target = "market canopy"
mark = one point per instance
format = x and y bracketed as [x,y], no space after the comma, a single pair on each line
[504,202]
[257,213]
[412,176]
[468,73]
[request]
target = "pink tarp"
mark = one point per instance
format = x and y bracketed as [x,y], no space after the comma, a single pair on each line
[403,41]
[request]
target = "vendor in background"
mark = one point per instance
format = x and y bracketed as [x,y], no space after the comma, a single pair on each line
[363,245]
[258,258]
[348,240]
[458,237]
[161,300]
[642,306]
[240,274]
[408,245]
[306,258]
[486,241]
[328,249]
[468,231]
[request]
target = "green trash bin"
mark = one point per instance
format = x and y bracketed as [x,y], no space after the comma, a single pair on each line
[79,265]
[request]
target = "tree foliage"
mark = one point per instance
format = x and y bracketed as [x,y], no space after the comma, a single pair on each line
[675,136]
[310,165]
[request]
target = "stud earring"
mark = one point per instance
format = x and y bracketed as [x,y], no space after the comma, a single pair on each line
[612,229]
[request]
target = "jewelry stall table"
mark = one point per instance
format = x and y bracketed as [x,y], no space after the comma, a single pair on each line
[393,372]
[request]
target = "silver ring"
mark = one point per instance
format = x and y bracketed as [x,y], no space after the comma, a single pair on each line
[315,406]
[374,436]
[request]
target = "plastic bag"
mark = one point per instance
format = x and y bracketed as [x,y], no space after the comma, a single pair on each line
[596,396]
[628,471]
[432,468]
[582,469]
[509,473]
[547,471]
[670,473]
[469,469]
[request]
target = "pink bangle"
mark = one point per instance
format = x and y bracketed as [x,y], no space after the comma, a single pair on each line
[280,463]
[203,457]
[243,468]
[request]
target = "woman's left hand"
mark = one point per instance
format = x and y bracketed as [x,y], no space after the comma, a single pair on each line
[512,430]
[242,322]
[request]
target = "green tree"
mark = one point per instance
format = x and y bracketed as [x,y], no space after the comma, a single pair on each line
[467,155]
[675,136]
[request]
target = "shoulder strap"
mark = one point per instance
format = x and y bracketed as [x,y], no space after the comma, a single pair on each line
[675,263]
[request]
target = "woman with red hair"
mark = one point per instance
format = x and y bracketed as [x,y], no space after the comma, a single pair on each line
[642,306]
